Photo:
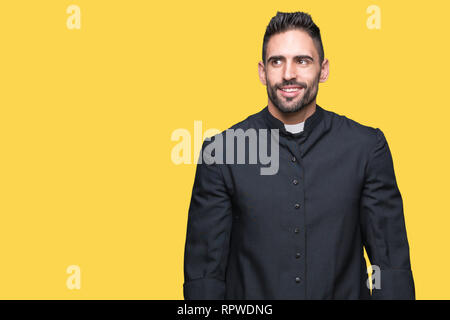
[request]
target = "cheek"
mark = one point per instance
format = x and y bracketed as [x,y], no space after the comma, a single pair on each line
[308,74]
[311,78]
[273,77]
[271,83]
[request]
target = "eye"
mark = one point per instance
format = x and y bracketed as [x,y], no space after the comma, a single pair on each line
[302,61]
[274,61]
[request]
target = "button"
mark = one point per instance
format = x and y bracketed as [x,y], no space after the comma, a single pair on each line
[297,255]
[294,159]
[297,279]
[295,181]
[296,230]
[296,206]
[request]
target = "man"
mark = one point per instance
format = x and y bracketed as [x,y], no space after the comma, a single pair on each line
[298,232]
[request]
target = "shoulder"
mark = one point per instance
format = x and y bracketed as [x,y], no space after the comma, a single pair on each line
[353,131]
[253,121]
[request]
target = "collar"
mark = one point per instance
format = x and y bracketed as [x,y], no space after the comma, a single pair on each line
[310,122]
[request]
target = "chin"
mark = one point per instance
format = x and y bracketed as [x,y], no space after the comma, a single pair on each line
[291,108]
[288,109]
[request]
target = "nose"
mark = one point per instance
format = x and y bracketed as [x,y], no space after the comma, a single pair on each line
[289,71]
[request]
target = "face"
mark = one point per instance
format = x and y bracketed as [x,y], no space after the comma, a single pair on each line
[292,72]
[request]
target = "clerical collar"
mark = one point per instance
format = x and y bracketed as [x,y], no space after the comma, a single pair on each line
[295,128]
[310,122]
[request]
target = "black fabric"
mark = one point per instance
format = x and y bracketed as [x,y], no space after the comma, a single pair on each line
[299,234]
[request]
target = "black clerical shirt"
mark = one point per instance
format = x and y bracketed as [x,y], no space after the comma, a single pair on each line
[299,233]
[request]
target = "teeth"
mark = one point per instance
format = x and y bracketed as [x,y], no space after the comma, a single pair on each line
[291,89]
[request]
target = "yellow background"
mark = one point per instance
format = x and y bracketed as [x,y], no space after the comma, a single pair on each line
[86,118]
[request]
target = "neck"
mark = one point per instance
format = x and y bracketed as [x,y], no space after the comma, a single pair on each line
[292,117]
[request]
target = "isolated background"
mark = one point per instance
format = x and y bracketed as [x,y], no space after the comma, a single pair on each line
[86,118]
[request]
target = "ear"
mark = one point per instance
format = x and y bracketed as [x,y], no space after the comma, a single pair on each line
[262,73]
[324,70]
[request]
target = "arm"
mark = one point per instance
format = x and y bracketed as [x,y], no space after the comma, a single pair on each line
[383,226]
[208,234]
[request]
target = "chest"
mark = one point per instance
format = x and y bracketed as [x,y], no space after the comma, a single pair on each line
[327,182]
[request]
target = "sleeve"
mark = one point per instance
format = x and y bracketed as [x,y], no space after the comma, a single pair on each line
[208,235]
[383,227]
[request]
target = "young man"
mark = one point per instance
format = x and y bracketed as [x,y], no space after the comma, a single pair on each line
[296,230]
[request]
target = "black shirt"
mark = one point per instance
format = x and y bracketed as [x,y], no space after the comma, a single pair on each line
[299,233]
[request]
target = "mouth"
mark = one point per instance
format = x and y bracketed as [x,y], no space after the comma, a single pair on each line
[290,91]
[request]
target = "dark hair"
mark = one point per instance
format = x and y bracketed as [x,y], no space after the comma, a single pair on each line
[285,21]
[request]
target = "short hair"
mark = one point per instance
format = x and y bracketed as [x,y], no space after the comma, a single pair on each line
[285,21]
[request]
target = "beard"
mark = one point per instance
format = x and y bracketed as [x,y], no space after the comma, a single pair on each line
[309,94]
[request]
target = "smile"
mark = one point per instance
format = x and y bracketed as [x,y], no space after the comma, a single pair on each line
[290,92]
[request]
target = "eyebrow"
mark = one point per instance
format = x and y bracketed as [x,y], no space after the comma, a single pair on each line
[296,57]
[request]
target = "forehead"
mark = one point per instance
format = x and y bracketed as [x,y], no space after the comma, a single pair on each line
[291,43]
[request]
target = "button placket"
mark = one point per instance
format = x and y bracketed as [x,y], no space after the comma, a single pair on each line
[295,182]
[298,220]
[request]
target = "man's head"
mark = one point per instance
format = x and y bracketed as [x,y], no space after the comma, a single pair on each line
[293,61]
